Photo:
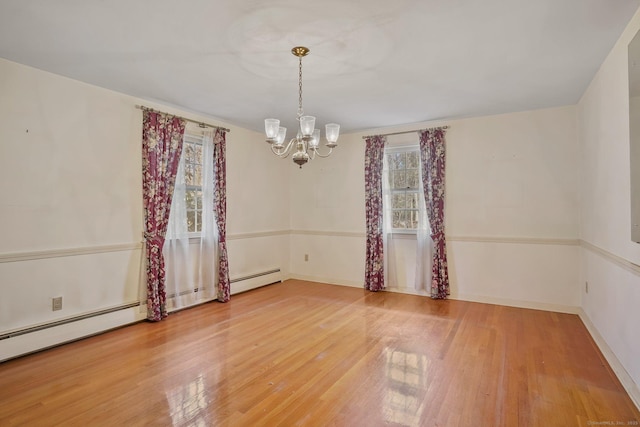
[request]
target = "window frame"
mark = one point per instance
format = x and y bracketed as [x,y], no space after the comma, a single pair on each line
[408,232]
[193,138]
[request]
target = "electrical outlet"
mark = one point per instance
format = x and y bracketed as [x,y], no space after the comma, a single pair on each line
[586,287]
[56,304]
[306,257]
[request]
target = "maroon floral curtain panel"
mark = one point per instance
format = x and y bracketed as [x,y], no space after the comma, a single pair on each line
[162,137]
[432,153]
[374,263]
[220,200]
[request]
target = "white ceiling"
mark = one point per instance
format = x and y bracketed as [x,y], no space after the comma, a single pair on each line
[373,63]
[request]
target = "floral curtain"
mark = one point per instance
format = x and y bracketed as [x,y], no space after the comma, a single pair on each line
[388,245]
[220,200]
[161,148]
[432,154]
[373,169]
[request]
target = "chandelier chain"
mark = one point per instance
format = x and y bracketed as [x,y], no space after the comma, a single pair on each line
[300,110]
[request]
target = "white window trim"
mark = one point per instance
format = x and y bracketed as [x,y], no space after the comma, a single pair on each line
[193,137]
[402,233]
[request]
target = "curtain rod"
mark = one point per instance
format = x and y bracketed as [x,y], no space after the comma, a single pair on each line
[201,124]
[407,131]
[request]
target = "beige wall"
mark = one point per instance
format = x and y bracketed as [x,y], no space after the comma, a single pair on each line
[70,179]
[511,213]
[608,256]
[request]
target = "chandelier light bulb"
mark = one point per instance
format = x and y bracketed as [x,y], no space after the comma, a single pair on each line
[271,129]
[307,123]
[315,139]
[332,130]
[282,133]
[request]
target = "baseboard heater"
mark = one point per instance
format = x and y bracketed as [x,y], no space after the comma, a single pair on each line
[252,281]
[252,276]
[36,338]
[40,337]
[53,324]
[261,276]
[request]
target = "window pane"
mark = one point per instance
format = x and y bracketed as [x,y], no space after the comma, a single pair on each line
[412,178]
[198,220]
[392,161]
[188,174]
[398,201]
[397,160]
[412,160]
[197,175]
[191,221]
[412,200]
[188,153]
[401,160]
[399,180]
[399,219]
[190,199]
[199,199]
[412,219]
[197,154]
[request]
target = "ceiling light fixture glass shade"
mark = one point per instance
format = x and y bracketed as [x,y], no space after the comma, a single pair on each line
[305,146]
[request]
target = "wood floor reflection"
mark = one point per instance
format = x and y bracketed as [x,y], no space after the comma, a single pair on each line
[302,353]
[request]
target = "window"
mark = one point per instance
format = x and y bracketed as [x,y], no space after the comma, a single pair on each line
[192,162]
[402,164]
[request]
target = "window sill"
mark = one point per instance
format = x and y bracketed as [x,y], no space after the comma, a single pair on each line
[193,238]
[404,235]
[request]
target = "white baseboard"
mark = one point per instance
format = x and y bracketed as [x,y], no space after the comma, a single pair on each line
[327,280]
[627,382]
[534,305]
[408,291]
[462,297]
[50,337]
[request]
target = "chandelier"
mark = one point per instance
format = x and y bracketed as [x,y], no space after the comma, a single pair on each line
[307,141]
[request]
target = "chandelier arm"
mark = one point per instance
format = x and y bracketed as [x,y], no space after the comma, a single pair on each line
[324,156]
[290,145]
[286,151]
[277,152]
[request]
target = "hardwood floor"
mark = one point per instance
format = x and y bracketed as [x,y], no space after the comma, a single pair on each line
[302,353]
